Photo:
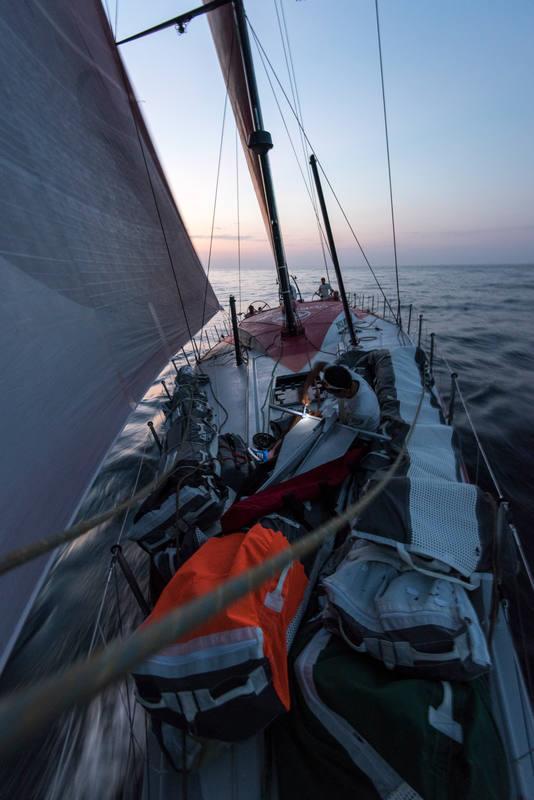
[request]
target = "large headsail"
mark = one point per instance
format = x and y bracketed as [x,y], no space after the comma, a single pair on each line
[226,38]
[99,281]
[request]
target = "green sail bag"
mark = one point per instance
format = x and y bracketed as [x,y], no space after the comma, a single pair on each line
[357,729]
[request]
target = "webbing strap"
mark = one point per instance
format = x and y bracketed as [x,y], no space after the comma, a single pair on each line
[189,704]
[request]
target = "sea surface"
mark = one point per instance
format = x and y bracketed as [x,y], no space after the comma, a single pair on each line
[483,321]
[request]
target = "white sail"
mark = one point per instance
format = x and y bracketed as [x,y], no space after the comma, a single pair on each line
[99,281]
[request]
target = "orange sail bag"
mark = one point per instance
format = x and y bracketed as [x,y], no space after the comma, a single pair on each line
[228,679]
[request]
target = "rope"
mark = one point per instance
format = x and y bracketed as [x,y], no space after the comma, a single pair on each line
[223,407]
[262,50]
[23,554]
[221,141]
[399,320]
[27,711]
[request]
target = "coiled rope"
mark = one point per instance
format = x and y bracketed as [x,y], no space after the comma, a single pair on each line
[25,712]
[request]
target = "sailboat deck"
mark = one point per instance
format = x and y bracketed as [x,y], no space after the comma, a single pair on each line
[239,397]
[240,394]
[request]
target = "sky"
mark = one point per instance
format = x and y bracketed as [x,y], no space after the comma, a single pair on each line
[459,91]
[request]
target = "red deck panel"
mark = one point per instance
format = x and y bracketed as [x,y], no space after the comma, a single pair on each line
[264,330]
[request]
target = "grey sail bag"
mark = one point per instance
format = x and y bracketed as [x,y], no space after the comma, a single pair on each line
[413,622]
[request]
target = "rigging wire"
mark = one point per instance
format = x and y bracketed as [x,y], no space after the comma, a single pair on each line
[524,642]
[108,13]
[293,148]
[133,100]
[221,142]
[27,711]
[238,218]
[474,431]
[135,110]
[63,760]
[481,450]
[322,237]
[356,239]
[288,56]
[399,319]
[288,101]
[69,746]
[116,19]
[128,703]
[148,765]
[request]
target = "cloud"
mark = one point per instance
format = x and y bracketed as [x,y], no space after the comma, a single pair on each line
[459,232]
[228,237]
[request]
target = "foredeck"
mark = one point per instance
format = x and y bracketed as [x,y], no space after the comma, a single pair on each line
[241,392]
[240,399]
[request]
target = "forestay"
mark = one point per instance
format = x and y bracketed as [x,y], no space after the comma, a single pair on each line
[99,282]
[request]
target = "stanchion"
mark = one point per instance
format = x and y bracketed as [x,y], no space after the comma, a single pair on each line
[454,376]
[237,345]
[155,435]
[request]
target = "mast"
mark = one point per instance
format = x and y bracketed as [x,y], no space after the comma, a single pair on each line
[333,251]
[260,142]
[254,136]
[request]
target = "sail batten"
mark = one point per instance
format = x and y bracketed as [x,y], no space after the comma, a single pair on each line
[99,281]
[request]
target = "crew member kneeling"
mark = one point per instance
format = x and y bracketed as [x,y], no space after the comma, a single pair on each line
[352,399]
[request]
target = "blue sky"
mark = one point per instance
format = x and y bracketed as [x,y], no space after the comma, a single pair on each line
[459,78]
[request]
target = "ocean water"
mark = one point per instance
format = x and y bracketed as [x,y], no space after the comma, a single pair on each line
[483,324]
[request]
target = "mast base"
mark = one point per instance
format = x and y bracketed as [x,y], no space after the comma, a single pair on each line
[288,333]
